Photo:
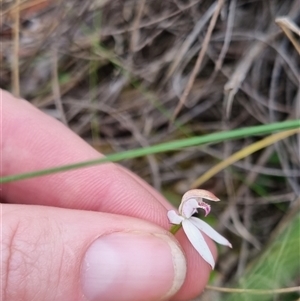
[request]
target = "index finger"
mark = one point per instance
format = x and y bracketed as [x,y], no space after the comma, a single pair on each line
[32,141]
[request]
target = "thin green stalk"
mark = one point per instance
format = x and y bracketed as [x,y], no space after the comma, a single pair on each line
[164,147]
[174,229]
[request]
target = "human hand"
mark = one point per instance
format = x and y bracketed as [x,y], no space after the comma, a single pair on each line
[99,233]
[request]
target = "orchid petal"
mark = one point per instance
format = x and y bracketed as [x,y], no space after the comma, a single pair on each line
[174,218]
[188,208]
[198,241]
[199,194]
[209,231]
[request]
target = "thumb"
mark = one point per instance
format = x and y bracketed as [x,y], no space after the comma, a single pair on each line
[61,254]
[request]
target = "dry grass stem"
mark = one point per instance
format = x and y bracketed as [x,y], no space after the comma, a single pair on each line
[242,154]
[195,71]
[289,27]
[254,291]
[135,32]
[15,62]
[56,87]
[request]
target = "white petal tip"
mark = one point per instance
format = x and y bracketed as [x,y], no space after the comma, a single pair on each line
[174,218]
[212,265]
[227,244]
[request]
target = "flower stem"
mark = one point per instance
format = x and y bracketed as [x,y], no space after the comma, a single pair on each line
[175,228]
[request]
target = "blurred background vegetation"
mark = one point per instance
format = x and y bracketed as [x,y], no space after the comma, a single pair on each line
[134,73]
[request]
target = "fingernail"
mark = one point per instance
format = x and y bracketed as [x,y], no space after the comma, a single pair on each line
[132,267]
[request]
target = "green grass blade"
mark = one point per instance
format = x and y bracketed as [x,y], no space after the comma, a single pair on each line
[277,267]
[164,147]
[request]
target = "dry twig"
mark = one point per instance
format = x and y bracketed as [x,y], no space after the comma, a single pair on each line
[195,71]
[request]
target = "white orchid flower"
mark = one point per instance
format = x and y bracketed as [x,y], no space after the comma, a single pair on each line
[191,201]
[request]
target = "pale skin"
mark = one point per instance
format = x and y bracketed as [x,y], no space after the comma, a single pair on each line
[43,246]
